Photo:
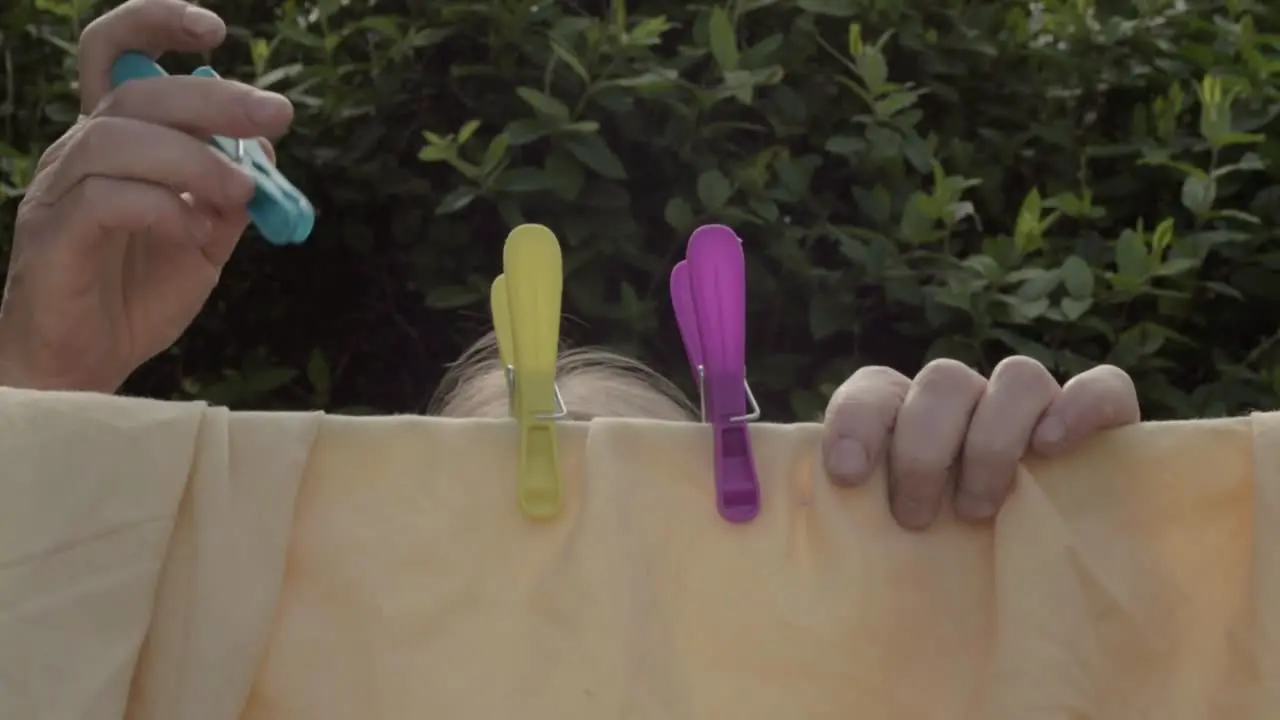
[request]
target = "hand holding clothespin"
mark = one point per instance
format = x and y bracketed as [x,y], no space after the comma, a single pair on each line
[709,292]
[525,301]
[279,210]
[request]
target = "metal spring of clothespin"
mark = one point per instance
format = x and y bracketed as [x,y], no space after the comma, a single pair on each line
[279,210]
[525,302]
[709,294]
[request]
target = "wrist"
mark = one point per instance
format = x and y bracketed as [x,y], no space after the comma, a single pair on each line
[22,369]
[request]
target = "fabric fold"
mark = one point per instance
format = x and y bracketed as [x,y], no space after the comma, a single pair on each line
[89,491]
[224,569]
[168,560]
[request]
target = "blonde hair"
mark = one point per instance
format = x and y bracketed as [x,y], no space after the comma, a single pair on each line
[593,383]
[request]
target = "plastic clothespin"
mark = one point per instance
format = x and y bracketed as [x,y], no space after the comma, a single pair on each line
[525,301]
[279,210]
[709,292]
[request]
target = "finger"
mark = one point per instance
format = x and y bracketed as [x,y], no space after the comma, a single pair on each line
[99,207]
[928,436]
[132,150]
[1097,399]
[201,106]
[859,418]
[150,26]
[268,149]
[228,226]
[228,223]
[1018,394]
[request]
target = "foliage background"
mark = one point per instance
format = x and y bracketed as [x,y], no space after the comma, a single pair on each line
[1082,181]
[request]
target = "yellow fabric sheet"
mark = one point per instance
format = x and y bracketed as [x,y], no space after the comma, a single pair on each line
[167,561]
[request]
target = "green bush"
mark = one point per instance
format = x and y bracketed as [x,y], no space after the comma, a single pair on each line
[1081,181]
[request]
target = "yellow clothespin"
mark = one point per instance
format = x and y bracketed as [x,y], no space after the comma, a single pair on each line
[525,301]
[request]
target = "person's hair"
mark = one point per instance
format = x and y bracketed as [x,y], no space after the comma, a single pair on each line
[593,383]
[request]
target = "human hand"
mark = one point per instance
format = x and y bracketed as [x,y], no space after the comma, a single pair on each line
[130,217]
[952,434]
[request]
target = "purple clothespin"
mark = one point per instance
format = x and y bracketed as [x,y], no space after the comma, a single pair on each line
[709,292]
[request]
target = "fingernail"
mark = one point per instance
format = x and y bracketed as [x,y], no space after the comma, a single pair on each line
[1051,431]
[266,108]
[847,460]
[911,514]
[974,506]
[201,22]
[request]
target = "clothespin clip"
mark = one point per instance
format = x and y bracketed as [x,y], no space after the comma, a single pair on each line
[525,301]
[709,292]
[279,210]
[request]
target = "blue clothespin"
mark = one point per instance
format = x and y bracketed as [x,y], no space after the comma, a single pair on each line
[279,210]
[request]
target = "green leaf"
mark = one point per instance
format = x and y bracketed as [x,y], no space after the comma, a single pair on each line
[457,200]
[266,380]
[568,58]
[450,297]
[495,153]
[544,104]
[678,214]
[834,8]
[1075,308]
[724,45]
[845,144]
[1030,309]
[565,173]
[1176,266]
[714,189]
[527,130]
[873,70]
[1026,231]
[467,131]
[917,224]
[1039,286]
[522,180]
[1077,278]
[1198,194]
[826,317]
[318,373]
[1235,138]
[437,153]
[766,209]
[595,154]
[1224,289]
[894,103]
[1162,238]
[1132,260]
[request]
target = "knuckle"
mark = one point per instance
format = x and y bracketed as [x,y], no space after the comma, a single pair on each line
[878,379]
[110,104]
[994,450]
[922,468]
[95,134]
[101,27]
[89,36]
[119,100]
[877,374]
[1115,380]
[1113,394]
[852,410]
[871,394]
[96,191]
[917,503]
[917,490]
[949,375]
[1024,372]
